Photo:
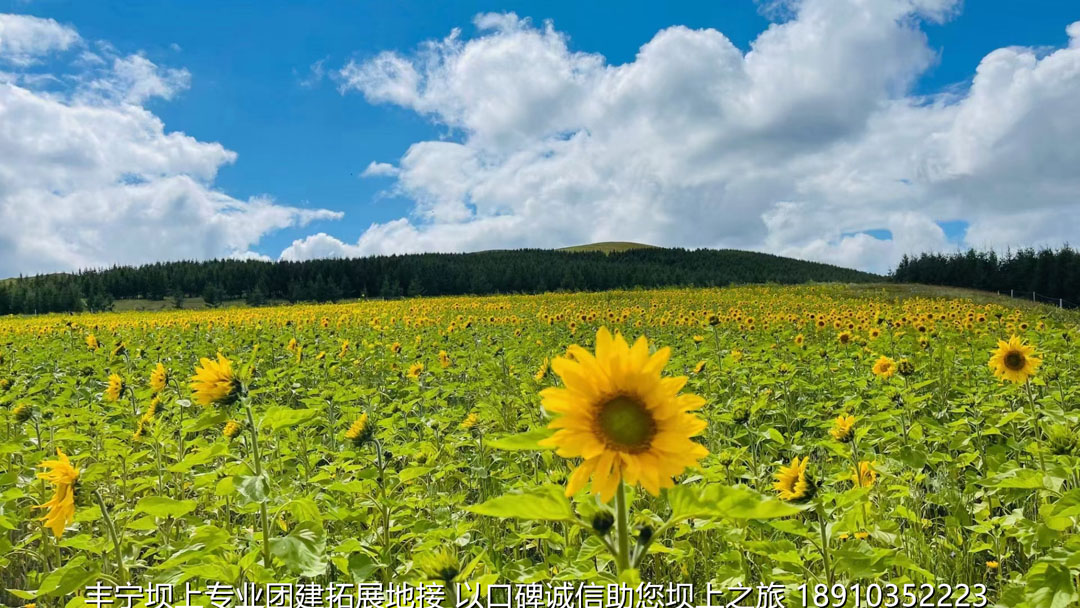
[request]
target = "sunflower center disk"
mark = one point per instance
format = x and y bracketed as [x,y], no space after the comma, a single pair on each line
[626,424]
[1014,361]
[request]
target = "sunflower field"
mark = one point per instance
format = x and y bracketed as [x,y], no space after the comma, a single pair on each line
[809,435]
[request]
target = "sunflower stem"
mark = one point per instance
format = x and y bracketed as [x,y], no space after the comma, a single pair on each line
[1038,427]
[256,456]
[622,558]
[385,507]
[825,546]
[110,527]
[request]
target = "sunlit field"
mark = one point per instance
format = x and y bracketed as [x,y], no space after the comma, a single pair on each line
[822,436]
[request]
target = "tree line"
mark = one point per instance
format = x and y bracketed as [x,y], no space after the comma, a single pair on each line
[394,276]
[1048,272]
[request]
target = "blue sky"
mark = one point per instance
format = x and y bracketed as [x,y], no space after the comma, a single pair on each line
[264,83]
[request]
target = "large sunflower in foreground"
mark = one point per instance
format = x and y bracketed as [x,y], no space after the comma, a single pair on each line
[61,507]
[216,382]
[622,417]
[1014,361]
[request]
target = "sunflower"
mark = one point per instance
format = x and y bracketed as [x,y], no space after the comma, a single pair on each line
[444,359]
[699,367]
[147,418]
[215,382]
[116,388]
[61,508]
[360,431]
[232,429]
[865,475]
[884,367]
[799,339]
[843,428]
[793,483]
[92,342]
[624,419]
[159,378]
[416,369]
[1014,360]
[470,421]
[844,338]
[542,372]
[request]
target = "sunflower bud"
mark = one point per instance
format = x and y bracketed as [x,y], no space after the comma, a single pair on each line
[741,414]
[22,413]
[905,367]
[644,535]
[725,458]
[602,522]
[441,565]
[1062,441]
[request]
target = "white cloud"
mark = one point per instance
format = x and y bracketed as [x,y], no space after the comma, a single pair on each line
[375,169]
[134,79]
[25,39]
[318,246]
[798,146]
[92,178]
[316,72]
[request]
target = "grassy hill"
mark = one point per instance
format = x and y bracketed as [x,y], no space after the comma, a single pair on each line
[607,247]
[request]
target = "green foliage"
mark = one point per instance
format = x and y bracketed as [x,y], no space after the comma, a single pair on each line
[596,267]
[1050,273]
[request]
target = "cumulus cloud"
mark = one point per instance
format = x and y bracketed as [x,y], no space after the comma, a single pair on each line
[801,146]
[25,39]
[90,177]
[376,169]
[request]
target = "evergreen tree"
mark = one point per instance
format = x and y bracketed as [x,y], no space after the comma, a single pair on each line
[213,295]
[255,297]
[415,288]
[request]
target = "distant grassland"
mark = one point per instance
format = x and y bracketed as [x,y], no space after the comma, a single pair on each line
[608,247]
[883,291]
